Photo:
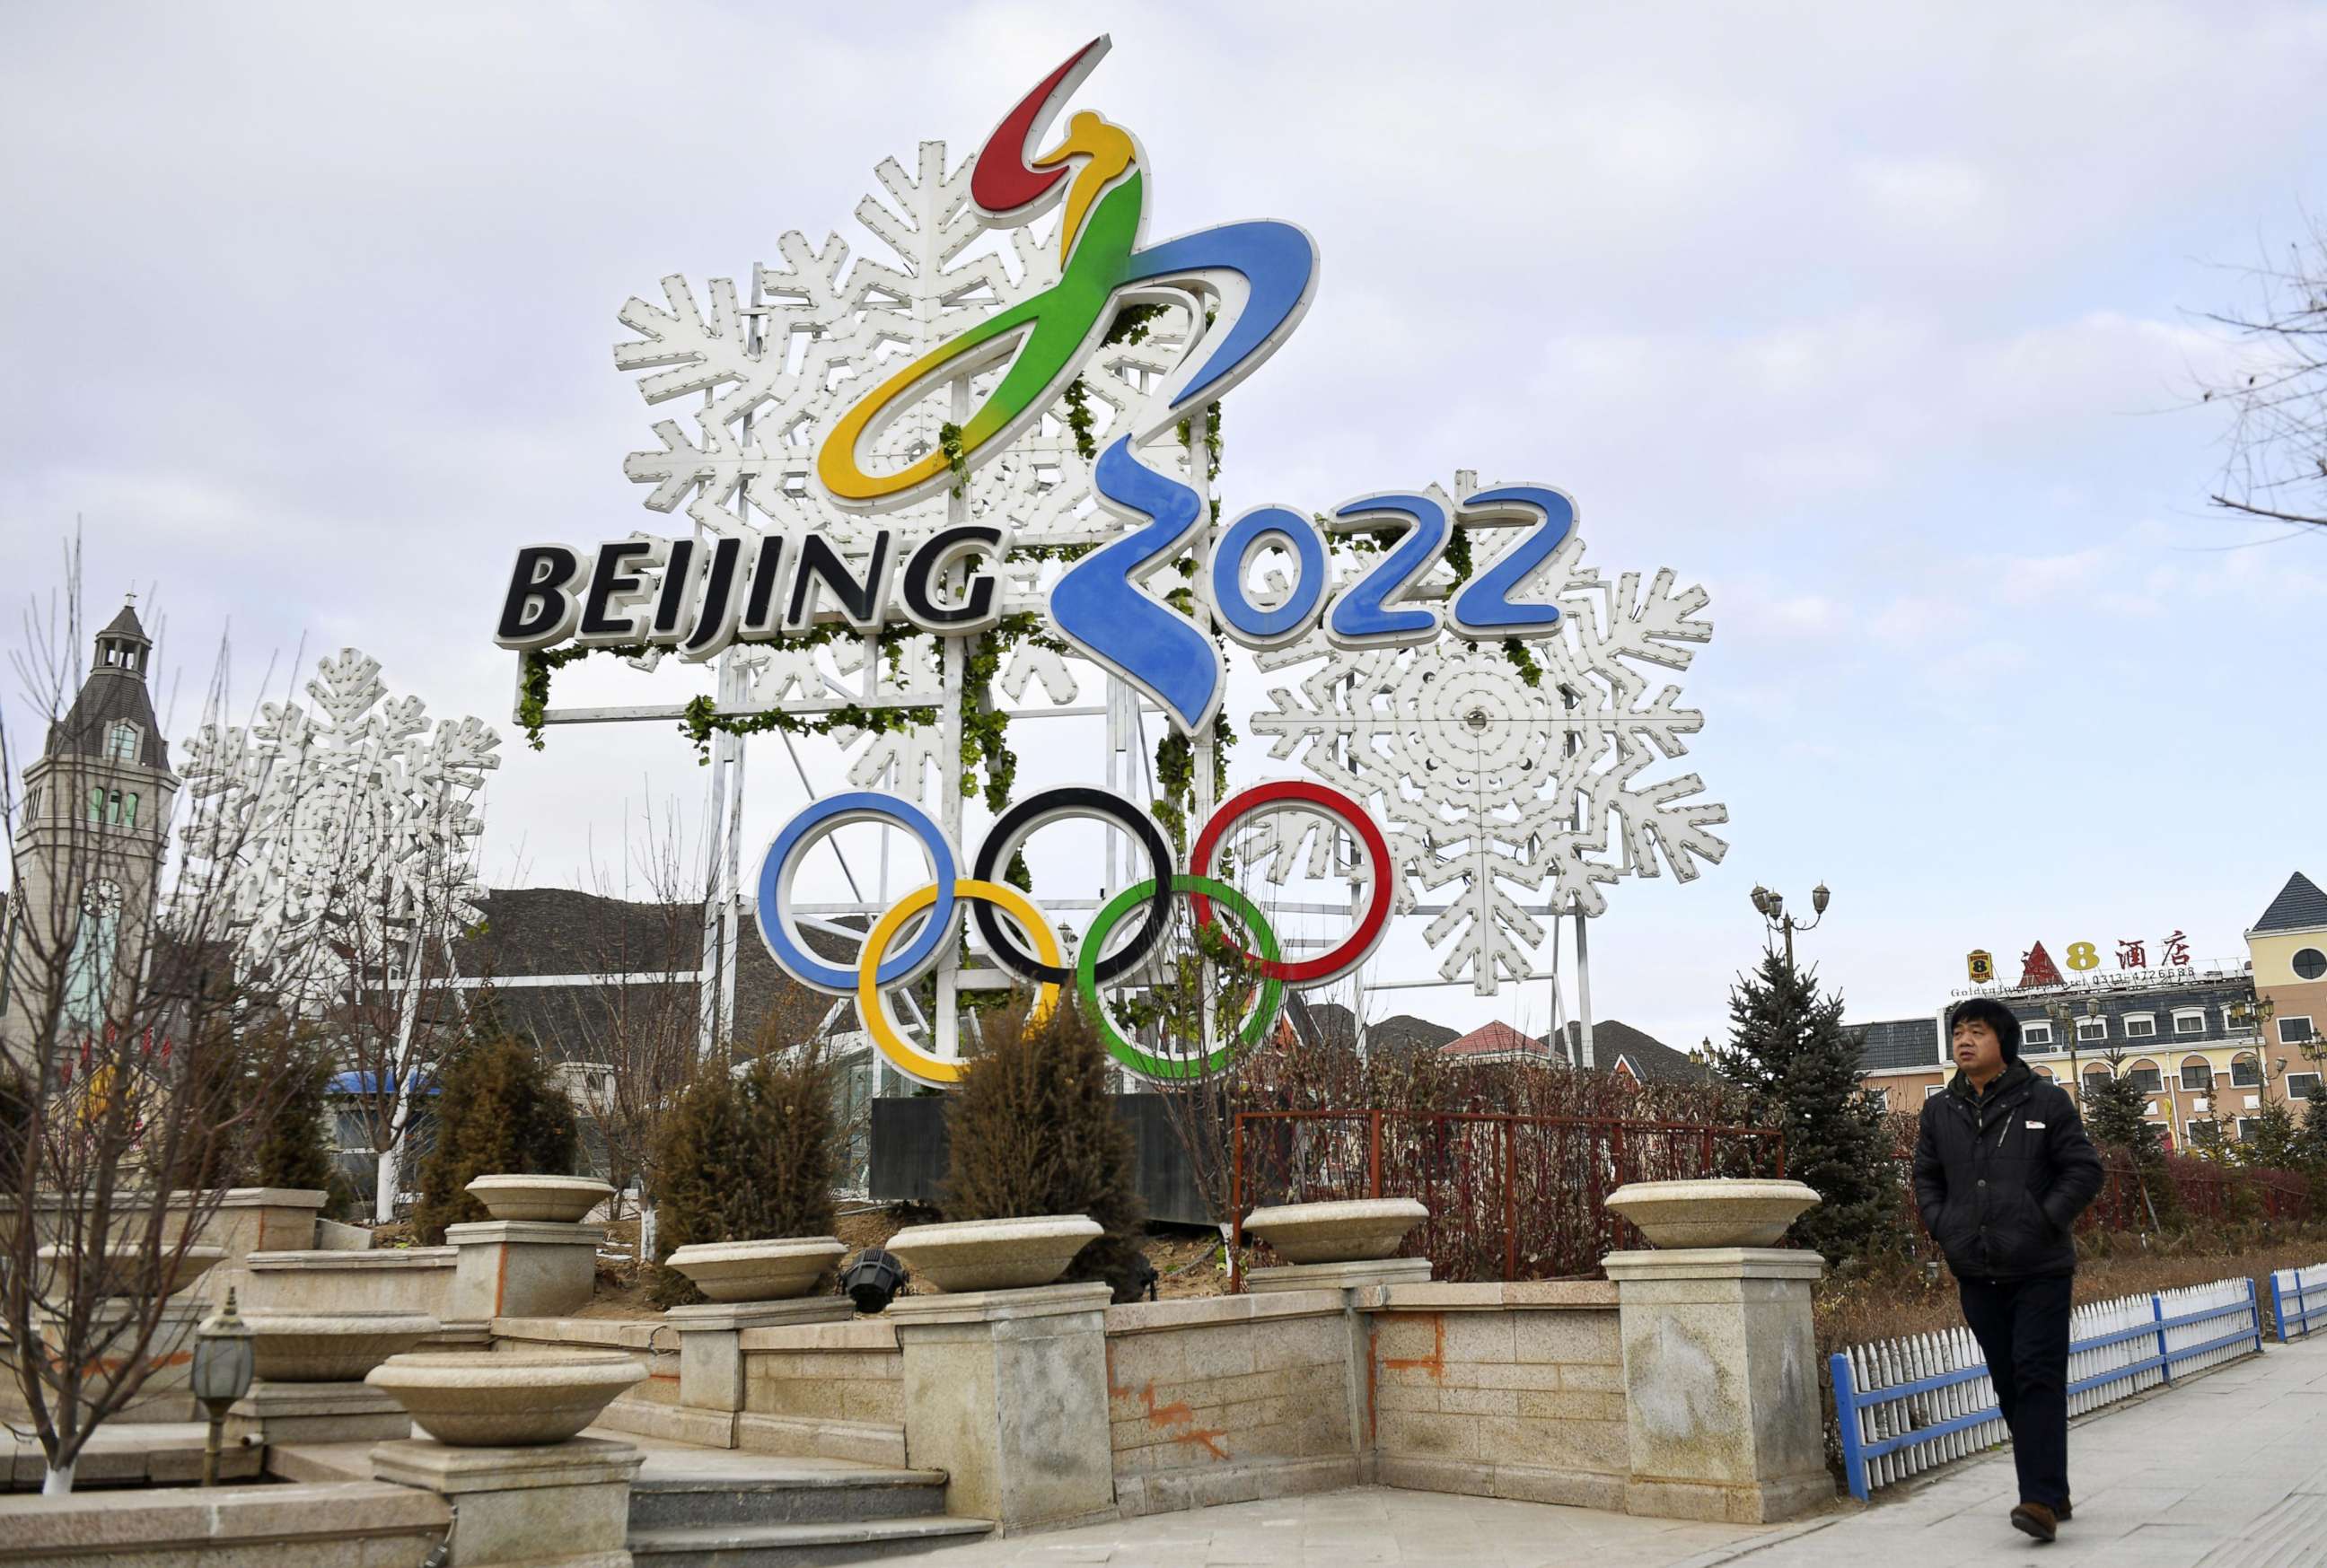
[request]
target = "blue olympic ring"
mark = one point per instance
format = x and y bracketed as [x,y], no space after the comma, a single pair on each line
[828,816]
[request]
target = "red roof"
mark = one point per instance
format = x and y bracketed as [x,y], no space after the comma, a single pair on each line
[1496,1039]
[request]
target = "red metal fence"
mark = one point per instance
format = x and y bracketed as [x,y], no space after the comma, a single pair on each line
[1510,1196]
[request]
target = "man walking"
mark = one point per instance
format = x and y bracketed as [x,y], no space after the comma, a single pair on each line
[2002,1168]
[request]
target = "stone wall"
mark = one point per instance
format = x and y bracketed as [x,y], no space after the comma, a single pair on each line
[649,1339]
[411,1279]
[1231,1398]
[1496,1390]
[831,1389]
[1548,1391]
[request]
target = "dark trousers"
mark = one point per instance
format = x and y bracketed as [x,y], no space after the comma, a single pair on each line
[2022,1326]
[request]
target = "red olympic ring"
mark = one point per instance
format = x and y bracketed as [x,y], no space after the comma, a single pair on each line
[1348,954]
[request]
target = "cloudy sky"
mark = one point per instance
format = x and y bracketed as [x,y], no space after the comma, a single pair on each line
[1884,322]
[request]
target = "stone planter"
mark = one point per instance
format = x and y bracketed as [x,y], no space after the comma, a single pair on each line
[127,1274]
[331,1347]
[993,1255]
[561,1200]
[1714,1213]
[1358,1230]
[481,1400]
[758,1271]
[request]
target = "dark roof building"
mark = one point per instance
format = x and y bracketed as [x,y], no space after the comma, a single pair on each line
[1901,1042]
[2299,907]
[1330,1026]
[635,963]
[1617,1047]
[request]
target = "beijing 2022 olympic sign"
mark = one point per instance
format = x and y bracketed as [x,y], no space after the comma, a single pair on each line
[869,557]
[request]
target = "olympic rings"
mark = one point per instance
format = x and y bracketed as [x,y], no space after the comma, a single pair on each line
[876,971]
[1020,823]
[872,1005]
[1172,1068]
[1354,950]
[792,847]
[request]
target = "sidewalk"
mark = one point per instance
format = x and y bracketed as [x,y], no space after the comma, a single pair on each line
[2229,1471]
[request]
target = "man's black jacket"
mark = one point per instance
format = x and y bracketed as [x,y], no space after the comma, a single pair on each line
[2001,1177]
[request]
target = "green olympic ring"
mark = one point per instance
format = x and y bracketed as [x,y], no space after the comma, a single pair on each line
[1169,1069]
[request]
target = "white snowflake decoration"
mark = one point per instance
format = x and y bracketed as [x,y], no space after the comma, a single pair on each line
[1468,768]
[339,826]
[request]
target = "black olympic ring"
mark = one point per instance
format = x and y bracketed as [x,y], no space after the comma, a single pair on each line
[1019,824]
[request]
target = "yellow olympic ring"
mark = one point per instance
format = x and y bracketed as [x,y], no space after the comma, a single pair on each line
[872,1006]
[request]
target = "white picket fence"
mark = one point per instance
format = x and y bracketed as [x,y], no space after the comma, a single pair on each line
[1909,1403]
[2298,1299]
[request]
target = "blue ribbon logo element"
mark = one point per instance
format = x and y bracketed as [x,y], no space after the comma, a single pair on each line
[1100,607]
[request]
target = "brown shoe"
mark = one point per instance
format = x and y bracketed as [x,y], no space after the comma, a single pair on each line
[2063,1513]
[2036,1519]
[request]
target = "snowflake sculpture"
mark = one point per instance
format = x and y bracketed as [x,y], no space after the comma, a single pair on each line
[1499,792]
[339,825]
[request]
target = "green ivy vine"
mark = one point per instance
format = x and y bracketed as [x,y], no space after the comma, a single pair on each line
[1130,325]
[949,442]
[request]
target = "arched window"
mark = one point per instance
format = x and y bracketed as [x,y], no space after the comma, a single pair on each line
[2145,1075]
[2197,1074]
[2246,1070]
[121,742]
[88,973]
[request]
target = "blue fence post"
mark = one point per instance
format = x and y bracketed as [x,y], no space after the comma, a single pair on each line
[2165,1362]
[2279,1305]
[1846,1416]
[2253,1310]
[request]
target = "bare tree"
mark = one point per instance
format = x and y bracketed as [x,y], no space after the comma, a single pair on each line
[141,1040]
[2276,465]
[648,1037]
[1201,986]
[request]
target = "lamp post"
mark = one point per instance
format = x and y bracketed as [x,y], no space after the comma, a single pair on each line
[2064,1024]
[2255,1015]
[1771,907]
[220,1374]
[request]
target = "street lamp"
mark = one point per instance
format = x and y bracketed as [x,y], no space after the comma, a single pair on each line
[1771,907]
[220,1375]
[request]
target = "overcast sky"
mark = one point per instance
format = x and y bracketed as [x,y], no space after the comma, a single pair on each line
[1883,322]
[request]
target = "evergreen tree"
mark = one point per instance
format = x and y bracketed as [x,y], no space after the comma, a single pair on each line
[497,1112]
[2274,1143]
[1801,1070]
[1032,1131]
[2113,1119]
[288,1147]
[745,1155]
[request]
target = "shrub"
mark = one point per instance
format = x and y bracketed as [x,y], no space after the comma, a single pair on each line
[287,1145]
[747,1154]
[1033,1131]
[497,1112]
